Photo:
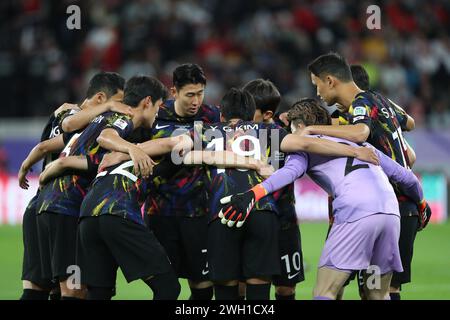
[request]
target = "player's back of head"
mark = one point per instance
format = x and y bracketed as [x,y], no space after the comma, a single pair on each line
[140,87]
[308,112]
[331,64]
[188,73]
[265,93]
[360,76]
[238,104]
[108,82]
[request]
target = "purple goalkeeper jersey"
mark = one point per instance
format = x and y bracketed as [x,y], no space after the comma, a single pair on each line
[359,189]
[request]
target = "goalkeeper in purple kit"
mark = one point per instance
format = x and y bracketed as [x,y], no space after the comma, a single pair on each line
[366,225]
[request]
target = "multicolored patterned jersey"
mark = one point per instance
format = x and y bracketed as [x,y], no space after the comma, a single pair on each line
[53,129]
[64,194]
[385,124]
[259,140]
[178,190]
[117,191]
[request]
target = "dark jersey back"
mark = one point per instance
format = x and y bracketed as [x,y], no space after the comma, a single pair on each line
[117,191]
[245,138]
[178,189]
[64,194]
[385,123]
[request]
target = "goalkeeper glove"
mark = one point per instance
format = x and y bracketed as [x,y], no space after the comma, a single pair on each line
[424,215]
[238,206]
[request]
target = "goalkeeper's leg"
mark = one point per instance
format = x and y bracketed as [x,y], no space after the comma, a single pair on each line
[329,283]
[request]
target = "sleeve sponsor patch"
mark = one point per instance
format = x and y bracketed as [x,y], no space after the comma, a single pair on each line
[120,123]
[359,111]
[358,118]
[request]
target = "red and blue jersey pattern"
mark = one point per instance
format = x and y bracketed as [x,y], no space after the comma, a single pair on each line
[178,189]
[63,195]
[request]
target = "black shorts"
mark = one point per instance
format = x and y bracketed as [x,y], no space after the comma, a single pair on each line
[184,240]
[251,251]
[108,242]
[408,229]
[57,235]
[292,271]
[31,266]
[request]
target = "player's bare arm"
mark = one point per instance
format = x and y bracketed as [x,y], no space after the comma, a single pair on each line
[109,139]
[36,154]
[357,133]
[81,119]
[296,143]
[59,166]
[64,107]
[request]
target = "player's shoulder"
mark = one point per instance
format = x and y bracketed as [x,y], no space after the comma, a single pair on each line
[208,113]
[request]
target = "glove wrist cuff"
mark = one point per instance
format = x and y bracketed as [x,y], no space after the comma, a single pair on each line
[259,191]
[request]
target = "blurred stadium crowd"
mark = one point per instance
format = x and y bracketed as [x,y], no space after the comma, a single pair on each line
[43,64]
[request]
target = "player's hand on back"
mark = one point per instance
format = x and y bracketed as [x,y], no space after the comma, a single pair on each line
[111,159]
[424,215]
[367,154]
[143,164]
[119,107]
[265,170]
[64,107]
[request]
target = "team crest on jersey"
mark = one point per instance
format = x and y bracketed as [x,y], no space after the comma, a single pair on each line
[120,123]
[359,111]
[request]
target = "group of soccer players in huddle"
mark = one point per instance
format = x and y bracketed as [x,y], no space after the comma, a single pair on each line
[169,187]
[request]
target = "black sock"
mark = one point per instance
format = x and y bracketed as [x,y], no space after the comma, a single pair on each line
[202,294]
[395,296]
[281,297]
[55,296]
[30,294]
[99,293]
[258,291]
[70,298]
[226,292]
[164,286]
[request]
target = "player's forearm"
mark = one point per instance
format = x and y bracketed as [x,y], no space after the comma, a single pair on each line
[293,169]
[109,139]
[82,118]
[229,159]
[162,146]
[411,154]
[41,150]
[357,133]
[297,143]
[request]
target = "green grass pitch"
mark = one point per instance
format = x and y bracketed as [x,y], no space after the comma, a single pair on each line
[431,266]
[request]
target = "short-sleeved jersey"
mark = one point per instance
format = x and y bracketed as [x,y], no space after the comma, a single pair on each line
[117,191]
[64,194]
[358,188]
[53,129]
[245,138]
[385,122]
[178,189]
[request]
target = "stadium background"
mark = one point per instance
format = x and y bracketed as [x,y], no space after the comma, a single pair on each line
[43,64]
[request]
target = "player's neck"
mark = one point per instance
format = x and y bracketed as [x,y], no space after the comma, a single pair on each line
[179,111]
[348,93]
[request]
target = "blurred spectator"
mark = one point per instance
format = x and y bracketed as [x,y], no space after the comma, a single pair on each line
[43,64]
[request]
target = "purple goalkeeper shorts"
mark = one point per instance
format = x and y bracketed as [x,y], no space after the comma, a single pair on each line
[369,241]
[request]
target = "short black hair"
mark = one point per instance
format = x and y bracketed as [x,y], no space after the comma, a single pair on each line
[140,87]
[309,112]
[238,104]
[108,82]
[360,76]
[188,73]
[266,95]
[331,64]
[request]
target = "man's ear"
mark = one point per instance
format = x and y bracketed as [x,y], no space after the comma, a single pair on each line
[222,119]
[148,102]
[100,97]
[268,115]
[173,92]
[331,81]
